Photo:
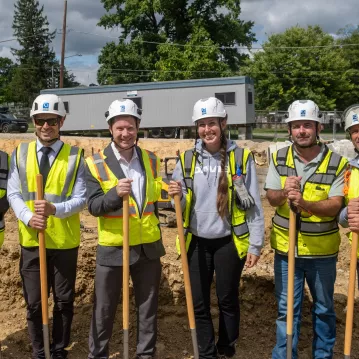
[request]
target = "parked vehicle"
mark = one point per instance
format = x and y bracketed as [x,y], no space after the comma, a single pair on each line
[10,123]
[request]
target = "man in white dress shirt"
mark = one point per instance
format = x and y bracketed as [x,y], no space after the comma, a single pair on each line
[62,167]
[123,168]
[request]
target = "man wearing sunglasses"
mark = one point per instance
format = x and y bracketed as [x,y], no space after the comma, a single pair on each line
[308,177]
[62,168]
[349,216]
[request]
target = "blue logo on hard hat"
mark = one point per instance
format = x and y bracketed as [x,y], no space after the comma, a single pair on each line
[204,111]
[355,117]
[303,113]
[122,108]
[46,106]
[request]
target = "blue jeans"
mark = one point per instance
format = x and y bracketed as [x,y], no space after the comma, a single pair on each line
[320,274]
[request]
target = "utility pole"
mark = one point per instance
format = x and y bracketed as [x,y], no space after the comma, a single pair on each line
[62,66]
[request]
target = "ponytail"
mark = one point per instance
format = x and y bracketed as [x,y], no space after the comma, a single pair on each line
[222,194]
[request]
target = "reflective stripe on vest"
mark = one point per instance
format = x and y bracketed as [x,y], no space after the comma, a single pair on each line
[149,209]
[31,196]
[4,169]
[308,227]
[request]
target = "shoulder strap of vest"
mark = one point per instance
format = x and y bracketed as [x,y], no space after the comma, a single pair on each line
[153,162]
[98,161]
[239,157]
[334,163]
[186,164]
[282,155]
[4,169]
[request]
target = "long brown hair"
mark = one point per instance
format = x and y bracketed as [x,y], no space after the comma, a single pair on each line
[222,193]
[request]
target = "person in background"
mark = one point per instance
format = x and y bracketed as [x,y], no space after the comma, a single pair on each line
[4,204]
[223,221]
[349,216]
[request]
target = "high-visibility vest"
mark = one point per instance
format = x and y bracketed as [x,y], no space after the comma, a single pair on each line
[240,232]
[316,235]
[61,233]
[4,171]
[352,178]
[143,225]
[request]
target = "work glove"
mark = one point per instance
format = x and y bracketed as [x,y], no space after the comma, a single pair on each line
[245,200]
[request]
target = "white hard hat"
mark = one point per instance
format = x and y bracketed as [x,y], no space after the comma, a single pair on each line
[48,104]
[351,116]
[303,110]
[208,107]
[123,107]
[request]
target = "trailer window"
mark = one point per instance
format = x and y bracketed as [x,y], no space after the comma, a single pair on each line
[250,98]
[66,104]
[137,101]
[228,98]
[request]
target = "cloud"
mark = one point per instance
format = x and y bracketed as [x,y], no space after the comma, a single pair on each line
[273,16]
[269,16]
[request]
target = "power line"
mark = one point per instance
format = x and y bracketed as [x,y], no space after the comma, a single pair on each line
[221,47]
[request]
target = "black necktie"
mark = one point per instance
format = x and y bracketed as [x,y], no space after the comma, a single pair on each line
[45,163]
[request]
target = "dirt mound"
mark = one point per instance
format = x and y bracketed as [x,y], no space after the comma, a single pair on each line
[258,306]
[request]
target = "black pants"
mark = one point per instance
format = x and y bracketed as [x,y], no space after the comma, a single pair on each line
[206,256]
[61,276]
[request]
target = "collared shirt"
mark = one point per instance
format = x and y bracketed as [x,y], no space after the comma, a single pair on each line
[63,209]
[134,171]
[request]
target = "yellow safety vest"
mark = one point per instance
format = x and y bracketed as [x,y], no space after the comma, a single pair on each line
[4,171]
[240,232]
[144,226]
[61,233]
[316,235]
[352,174]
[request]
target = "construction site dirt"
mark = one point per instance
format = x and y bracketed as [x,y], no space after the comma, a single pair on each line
[258,305]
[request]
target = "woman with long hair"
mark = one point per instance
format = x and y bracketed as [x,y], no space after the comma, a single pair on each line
[223,222]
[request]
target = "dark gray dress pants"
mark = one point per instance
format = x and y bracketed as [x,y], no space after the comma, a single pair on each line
[146,275]
[61,276]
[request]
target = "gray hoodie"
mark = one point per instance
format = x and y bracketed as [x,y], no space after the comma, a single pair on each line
[205,221]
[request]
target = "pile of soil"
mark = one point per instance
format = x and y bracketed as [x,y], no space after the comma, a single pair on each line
[258,305]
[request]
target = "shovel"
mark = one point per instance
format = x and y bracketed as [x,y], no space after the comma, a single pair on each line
[290,294]
[126,277]
[43,276]
[187,283]
[351,293]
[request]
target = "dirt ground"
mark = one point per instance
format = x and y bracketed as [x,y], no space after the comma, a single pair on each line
[258,306]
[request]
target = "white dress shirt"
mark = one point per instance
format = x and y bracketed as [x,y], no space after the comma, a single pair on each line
[64,209]
[134,171]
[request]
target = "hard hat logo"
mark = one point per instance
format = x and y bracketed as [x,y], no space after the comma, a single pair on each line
[123,108]
[204,111]
[303,113]
[355,118]
[46,106]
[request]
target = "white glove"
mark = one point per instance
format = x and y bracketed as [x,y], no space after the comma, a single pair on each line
[246,201]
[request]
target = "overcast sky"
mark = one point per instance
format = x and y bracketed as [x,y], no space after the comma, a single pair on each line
[269,16]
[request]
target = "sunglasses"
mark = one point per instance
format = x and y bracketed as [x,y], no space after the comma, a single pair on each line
[50,121]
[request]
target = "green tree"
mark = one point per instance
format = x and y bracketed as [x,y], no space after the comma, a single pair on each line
[349,37]
[35,55]
[6,73]
[300,63]
[144,24]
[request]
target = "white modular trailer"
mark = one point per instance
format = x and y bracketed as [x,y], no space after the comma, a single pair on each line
[165,105]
